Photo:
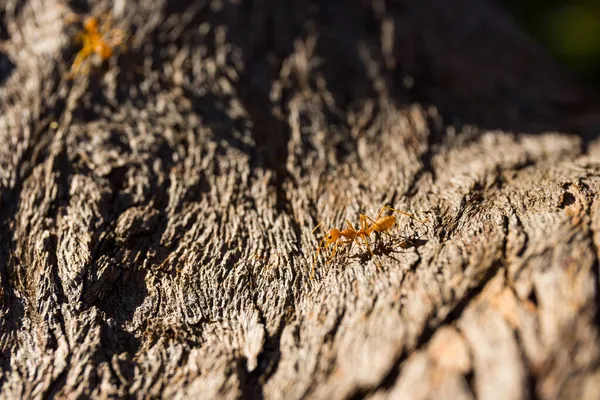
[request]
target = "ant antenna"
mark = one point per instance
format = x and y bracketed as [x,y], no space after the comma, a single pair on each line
[412,216]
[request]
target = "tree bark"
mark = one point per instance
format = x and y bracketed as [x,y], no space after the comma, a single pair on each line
[156,212]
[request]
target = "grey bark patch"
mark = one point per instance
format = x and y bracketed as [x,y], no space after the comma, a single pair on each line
[156,214]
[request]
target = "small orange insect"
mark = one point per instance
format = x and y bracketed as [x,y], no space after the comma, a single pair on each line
[381,224]
[97,41]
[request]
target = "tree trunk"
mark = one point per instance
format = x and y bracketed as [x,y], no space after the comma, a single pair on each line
[156,211]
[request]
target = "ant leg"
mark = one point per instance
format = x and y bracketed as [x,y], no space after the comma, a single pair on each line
[351,241]
[364,225]
[363,222]
[333,253]
[407,214]
[336,247]
[316,227]
[312,271]
[75,68]
[370,251]
[350,225]
[368,246]
[354,231]
[365,217]
[71,18]
[381,211]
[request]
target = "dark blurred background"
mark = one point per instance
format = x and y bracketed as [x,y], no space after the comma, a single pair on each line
[569,30]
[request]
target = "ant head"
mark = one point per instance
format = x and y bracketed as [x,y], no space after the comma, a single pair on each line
[90,24]
[332,236]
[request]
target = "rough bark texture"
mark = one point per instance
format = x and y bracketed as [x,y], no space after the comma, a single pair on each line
[156,215]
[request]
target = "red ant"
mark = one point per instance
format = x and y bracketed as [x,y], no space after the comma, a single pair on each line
[380,224]
[334,236]
[97,39]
